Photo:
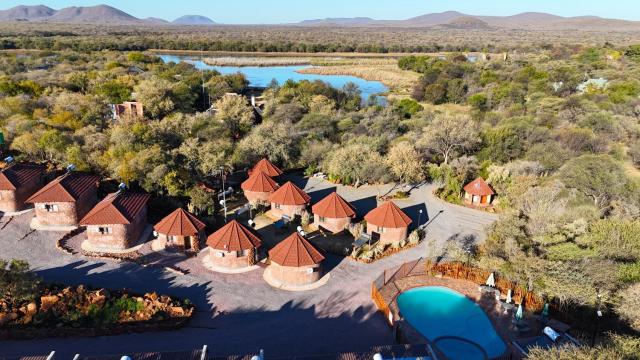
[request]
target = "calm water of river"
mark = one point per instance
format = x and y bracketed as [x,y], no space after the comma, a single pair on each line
[262,76]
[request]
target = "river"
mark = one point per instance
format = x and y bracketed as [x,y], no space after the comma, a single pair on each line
[261,76]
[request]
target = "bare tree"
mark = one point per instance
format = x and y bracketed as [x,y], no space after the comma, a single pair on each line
[450,135]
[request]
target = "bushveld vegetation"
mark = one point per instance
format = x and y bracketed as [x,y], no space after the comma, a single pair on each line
[562,158]
[48,36]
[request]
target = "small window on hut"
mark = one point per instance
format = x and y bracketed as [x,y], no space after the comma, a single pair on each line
[51,208]
[103,230]
[323,219]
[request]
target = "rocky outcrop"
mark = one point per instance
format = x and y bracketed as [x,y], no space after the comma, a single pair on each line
[79,311]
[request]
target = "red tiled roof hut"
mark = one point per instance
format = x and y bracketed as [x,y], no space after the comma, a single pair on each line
[388,223]
[288,200]
[258,187]
[182,230]
[478,193]
[117,222]
[17,183]
[333,213]
[233,246]
[294,261]
[65,200]
[266,167]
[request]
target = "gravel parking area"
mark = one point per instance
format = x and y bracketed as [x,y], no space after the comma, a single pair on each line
[240,313]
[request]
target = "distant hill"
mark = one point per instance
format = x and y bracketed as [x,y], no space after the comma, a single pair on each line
[92,14]
[357,21]
[26,13]
[433,19]
[103,14]
[454,19]
[154,20]
[466,22]
[193,20]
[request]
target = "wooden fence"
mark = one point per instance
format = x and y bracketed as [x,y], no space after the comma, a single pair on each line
[452,270]
[456,270]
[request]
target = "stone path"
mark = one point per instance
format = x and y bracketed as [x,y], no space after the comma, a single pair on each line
[241,313]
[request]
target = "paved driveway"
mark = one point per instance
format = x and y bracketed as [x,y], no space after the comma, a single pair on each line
[241,313]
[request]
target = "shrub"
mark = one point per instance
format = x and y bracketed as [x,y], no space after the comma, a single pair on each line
[629,273]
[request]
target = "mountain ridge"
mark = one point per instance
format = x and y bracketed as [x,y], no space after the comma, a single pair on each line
[193,20]
[105,14]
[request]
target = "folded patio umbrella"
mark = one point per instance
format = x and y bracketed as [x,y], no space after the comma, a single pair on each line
[491,281]
[519,313]
[545,310]
[509,299]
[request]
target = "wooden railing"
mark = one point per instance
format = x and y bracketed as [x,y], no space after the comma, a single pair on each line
[456,270]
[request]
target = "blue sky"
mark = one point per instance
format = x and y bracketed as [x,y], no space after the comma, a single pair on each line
[282,11]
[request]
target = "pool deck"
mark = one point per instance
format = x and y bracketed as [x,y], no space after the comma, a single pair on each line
[501,319]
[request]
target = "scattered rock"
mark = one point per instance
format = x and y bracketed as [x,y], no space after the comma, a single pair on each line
[47,302]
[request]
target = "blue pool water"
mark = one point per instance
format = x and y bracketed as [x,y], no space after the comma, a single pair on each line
[262,76]
[457,325]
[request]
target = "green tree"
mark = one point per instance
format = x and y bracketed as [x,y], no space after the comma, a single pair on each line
[598,176]
[17,282]
[155,95]
[236,114]
[405,163]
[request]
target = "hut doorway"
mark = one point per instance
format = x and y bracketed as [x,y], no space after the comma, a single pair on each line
[188,243]
[484,199]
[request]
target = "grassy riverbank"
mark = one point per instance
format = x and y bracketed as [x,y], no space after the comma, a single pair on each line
[380,69]
[384,70]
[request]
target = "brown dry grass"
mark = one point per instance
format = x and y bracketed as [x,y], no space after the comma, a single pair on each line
[383,70]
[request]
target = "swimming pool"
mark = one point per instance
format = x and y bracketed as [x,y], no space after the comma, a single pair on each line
[456,325]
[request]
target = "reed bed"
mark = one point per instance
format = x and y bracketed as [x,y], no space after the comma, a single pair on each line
[383,70]
[257,61]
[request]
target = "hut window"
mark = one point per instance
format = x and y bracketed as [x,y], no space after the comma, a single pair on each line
[50,208]
[171,238]
[380,230]
[277,206]
[103,230]
[323,219]
[220,254]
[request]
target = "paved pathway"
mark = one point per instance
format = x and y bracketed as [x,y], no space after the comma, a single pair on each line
[241,313]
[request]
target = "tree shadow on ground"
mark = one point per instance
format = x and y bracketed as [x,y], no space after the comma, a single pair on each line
[293,329]
[142,279]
